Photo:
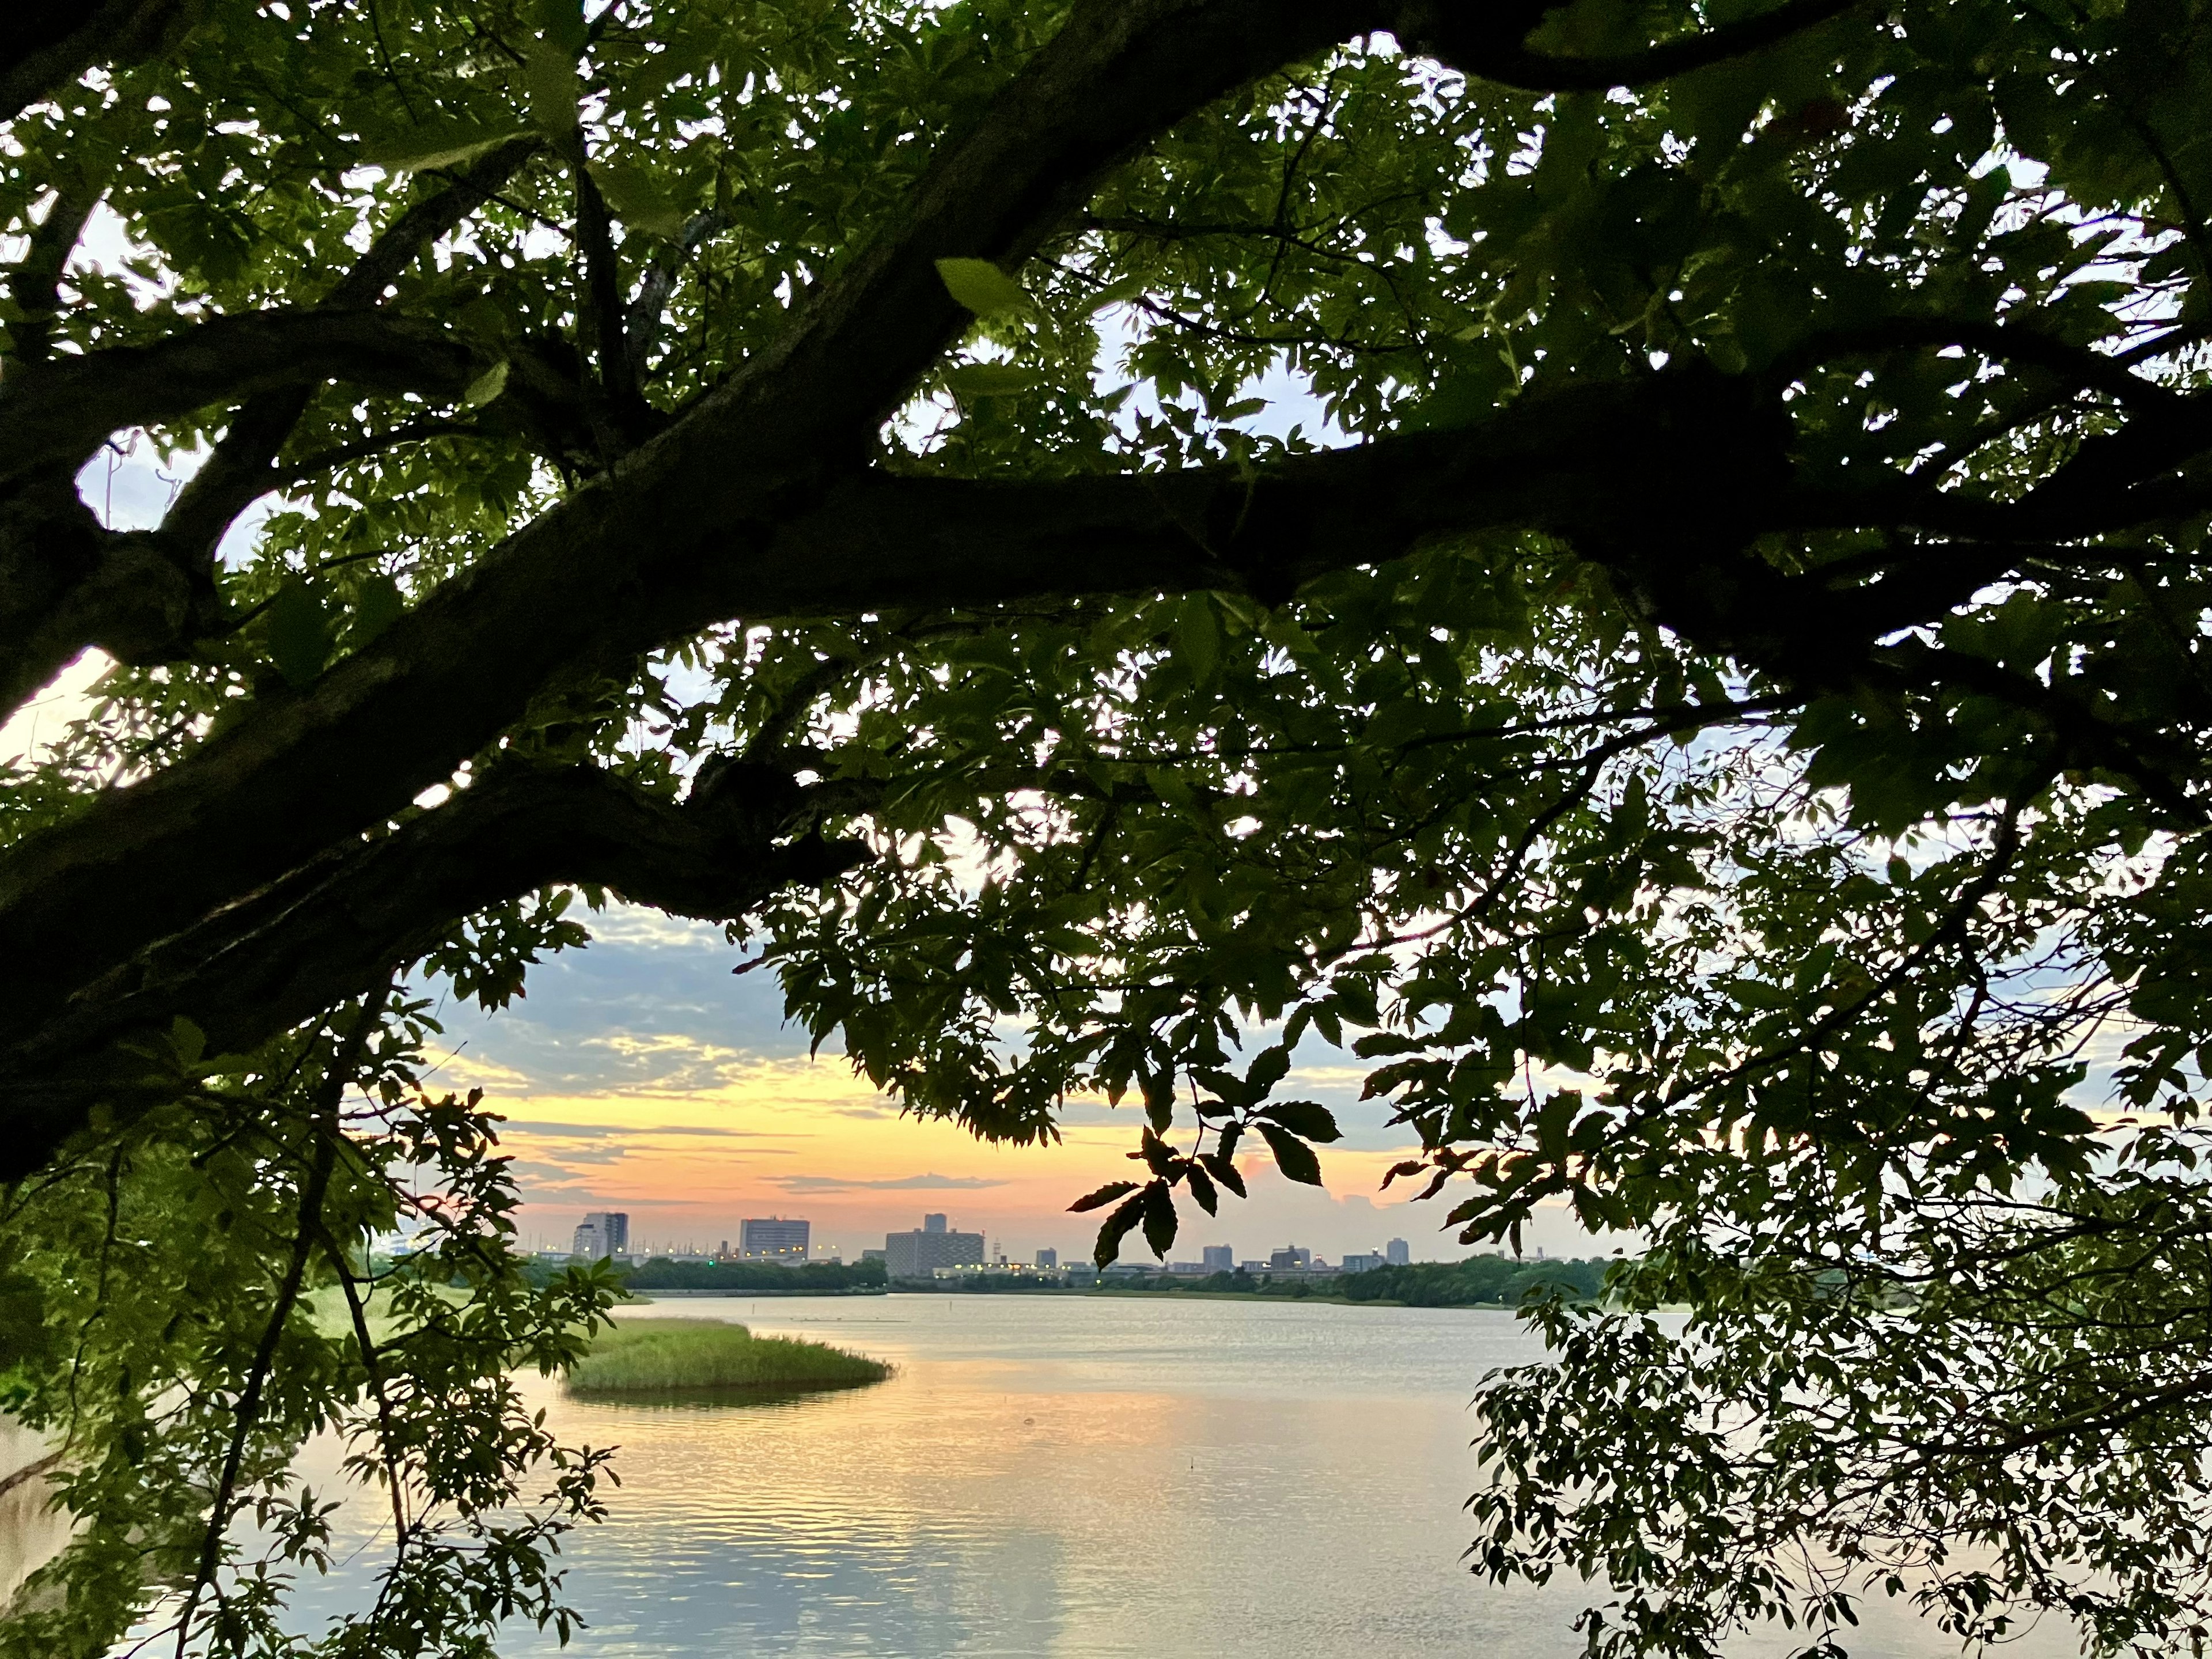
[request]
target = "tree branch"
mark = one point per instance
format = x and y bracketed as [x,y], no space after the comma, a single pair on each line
[757,504]
[1489,43]
[56,414]
[1665,481]
[35,283]
[337,928]
[671,536]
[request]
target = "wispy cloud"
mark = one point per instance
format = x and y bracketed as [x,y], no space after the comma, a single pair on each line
[595,1131]
[904,1184]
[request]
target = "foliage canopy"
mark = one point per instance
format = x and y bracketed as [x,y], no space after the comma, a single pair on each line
[1708,697]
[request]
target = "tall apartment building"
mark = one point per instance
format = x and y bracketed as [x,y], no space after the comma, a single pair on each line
[1048,1258]
[933,1245]
[603,1232]
[1217,1258]
[1396,1253]
[774,1238]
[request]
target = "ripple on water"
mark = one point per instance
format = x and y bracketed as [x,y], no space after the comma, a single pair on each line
[1077,1477]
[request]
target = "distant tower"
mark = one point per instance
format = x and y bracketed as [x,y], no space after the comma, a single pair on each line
[1396,1253]
[1048,1258]
[933,1224]
[1219,1258]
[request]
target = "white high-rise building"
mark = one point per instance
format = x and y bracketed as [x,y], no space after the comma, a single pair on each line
[603,1233]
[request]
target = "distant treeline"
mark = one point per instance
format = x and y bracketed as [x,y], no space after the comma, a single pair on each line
[755,1277]
[1501,1280]
[1478,1281]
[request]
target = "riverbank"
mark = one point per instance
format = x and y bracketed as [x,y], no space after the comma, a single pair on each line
[1479,1281]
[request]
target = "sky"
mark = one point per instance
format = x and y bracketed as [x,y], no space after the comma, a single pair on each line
[640,1074]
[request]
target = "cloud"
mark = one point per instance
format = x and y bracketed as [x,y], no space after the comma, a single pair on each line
[594,1130]
[904,1184]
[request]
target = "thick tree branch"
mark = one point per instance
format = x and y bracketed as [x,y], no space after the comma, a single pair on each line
[1665,481]
[671,536]
[336,928]
[757,504]
[56,414]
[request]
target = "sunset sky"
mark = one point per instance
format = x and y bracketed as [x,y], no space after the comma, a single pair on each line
[641,1074]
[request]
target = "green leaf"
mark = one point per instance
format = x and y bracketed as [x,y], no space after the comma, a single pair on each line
[486,387]
[1104,1196]
[1292,1156]
[377,605]
[636,198]
[1160,1100]
[1268,1068]
[425,148]
[298,631]
[188,1039]
[1308,1119]
[989,380]
[1160,1219]
[564,24]
[1198,638]
[548,77]
[1158,1154]
[1118,1227]
[983,287]
[1224,1170]
[1201,1188]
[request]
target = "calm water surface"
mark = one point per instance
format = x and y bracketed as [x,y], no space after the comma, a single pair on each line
[1077,1477]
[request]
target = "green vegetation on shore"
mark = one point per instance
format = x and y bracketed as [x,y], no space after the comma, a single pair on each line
[1479,1281]
[748,1277]
[696,1356]
[757,1278]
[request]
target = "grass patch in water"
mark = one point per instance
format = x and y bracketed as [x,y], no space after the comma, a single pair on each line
[696,1356]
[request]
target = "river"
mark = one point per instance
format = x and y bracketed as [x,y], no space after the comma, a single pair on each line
[1077,1477]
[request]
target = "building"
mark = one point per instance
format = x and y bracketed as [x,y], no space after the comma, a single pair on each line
[874,1256]
[1217,1258]
[1291,1258]
[1048,1258]
[1396,1253]
[774,1239]
[1365,1264]
[603,1233]
[920,1254]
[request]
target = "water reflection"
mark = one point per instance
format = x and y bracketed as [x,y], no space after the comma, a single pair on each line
[1079,1477]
